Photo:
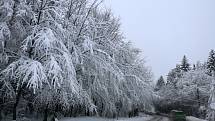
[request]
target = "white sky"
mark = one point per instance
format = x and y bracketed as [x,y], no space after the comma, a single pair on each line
[168,29]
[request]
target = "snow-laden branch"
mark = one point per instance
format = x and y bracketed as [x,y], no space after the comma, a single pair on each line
[28,72]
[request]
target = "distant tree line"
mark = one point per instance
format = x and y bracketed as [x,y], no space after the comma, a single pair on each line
[186,88]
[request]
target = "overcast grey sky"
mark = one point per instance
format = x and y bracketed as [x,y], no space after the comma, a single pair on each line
[166,30]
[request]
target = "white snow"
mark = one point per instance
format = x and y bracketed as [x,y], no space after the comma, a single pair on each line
[106,119]
[146,118]
[135,119]
[212,105]
[190,118]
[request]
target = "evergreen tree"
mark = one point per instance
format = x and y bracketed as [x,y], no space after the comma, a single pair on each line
[185,66]
[160,83]
[211,62]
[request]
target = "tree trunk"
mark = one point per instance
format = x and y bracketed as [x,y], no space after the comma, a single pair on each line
[30,108]
[71,111]
[46,113]
[198,98]
[18,96]
[1,114]
[40,13]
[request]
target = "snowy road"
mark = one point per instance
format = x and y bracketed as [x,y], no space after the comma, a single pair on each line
[159,118]
[149,118]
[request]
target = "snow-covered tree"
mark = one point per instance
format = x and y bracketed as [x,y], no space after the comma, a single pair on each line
[211,102]
[69,56]
[135,70]
[173,76]
[185,66]
[160,84]
[201,66]
[45,60]
[211,62]
[195,85]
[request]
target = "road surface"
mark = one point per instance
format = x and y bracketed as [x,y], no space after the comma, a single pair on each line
[159,118]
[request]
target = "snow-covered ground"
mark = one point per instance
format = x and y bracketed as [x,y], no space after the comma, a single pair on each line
[190,118]
[141,118]
[105,119]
